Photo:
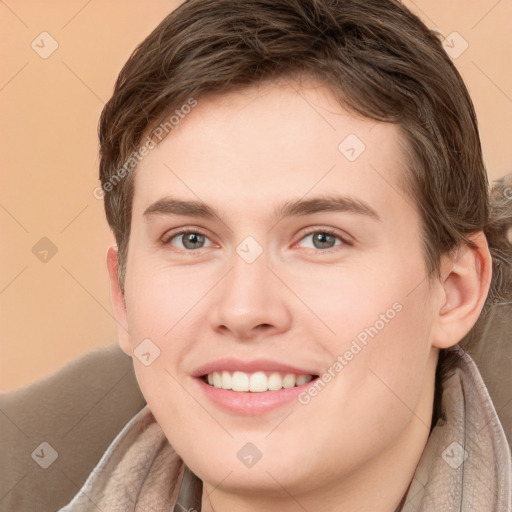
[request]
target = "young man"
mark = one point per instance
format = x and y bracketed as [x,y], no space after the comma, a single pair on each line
[300,206]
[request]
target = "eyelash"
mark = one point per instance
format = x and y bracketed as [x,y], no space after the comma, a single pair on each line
[326,231]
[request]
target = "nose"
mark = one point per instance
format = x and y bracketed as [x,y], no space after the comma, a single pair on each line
[250,301]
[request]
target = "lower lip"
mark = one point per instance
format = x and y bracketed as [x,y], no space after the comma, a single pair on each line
[251,403]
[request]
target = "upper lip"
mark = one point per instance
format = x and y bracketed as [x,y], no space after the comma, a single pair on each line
[252,366]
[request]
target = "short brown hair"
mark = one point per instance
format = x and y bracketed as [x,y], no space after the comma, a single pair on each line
[378,58]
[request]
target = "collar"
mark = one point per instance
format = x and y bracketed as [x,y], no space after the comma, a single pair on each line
[466,463]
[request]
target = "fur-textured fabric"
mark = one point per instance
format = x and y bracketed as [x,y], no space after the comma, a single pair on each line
[466,463]
[140,471]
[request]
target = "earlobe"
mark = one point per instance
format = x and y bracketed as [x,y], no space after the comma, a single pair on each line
[118,301]
[465,280]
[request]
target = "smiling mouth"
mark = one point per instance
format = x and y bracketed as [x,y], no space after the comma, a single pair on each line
[257,382]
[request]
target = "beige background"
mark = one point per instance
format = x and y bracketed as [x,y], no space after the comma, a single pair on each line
[53,311]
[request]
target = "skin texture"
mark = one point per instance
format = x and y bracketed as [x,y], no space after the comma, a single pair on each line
[356,444]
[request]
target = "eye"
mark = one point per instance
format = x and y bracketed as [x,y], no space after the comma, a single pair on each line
[190,240]
[325,239]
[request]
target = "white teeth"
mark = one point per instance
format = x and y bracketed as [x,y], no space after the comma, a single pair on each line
[217,380]
[302,379]
[239,381]
[256,382]
[289,381]
[275,382]
[226,380]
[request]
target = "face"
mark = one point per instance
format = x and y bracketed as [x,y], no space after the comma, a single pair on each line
[303,262]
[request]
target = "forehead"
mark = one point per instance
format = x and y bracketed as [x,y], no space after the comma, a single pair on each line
[270,142]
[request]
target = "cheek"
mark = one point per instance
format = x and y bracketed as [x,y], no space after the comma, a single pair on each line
[163,305]
[379,389]
[159,297]
[380,340]
[384,368]
[352,297]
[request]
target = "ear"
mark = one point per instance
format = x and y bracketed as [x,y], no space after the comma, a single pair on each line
[465,282]
[118,303]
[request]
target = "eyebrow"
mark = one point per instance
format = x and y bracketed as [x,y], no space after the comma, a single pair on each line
[293,208]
